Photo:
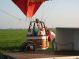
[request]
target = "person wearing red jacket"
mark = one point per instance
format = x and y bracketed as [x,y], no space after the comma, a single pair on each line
[51,38]
[51,35]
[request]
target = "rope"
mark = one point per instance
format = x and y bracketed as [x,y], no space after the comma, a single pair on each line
[9,14]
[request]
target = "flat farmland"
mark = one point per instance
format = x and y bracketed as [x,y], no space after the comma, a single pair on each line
[12,38]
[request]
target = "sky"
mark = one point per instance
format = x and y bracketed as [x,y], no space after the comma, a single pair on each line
[55,13]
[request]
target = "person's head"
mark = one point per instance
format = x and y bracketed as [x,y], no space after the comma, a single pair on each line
[37,20]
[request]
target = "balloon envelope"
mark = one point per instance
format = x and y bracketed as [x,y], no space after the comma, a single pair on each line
[28,7]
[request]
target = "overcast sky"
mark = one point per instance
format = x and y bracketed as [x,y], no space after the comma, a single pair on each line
[56,13]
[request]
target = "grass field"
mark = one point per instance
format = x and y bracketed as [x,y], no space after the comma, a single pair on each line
[12,39]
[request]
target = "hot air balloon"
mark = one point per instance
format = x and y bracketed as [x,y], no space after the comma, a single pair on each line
[36,36]
[28,7]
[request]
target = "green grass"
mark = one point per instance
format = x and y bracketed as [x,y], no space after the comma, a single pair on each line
[12,39]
